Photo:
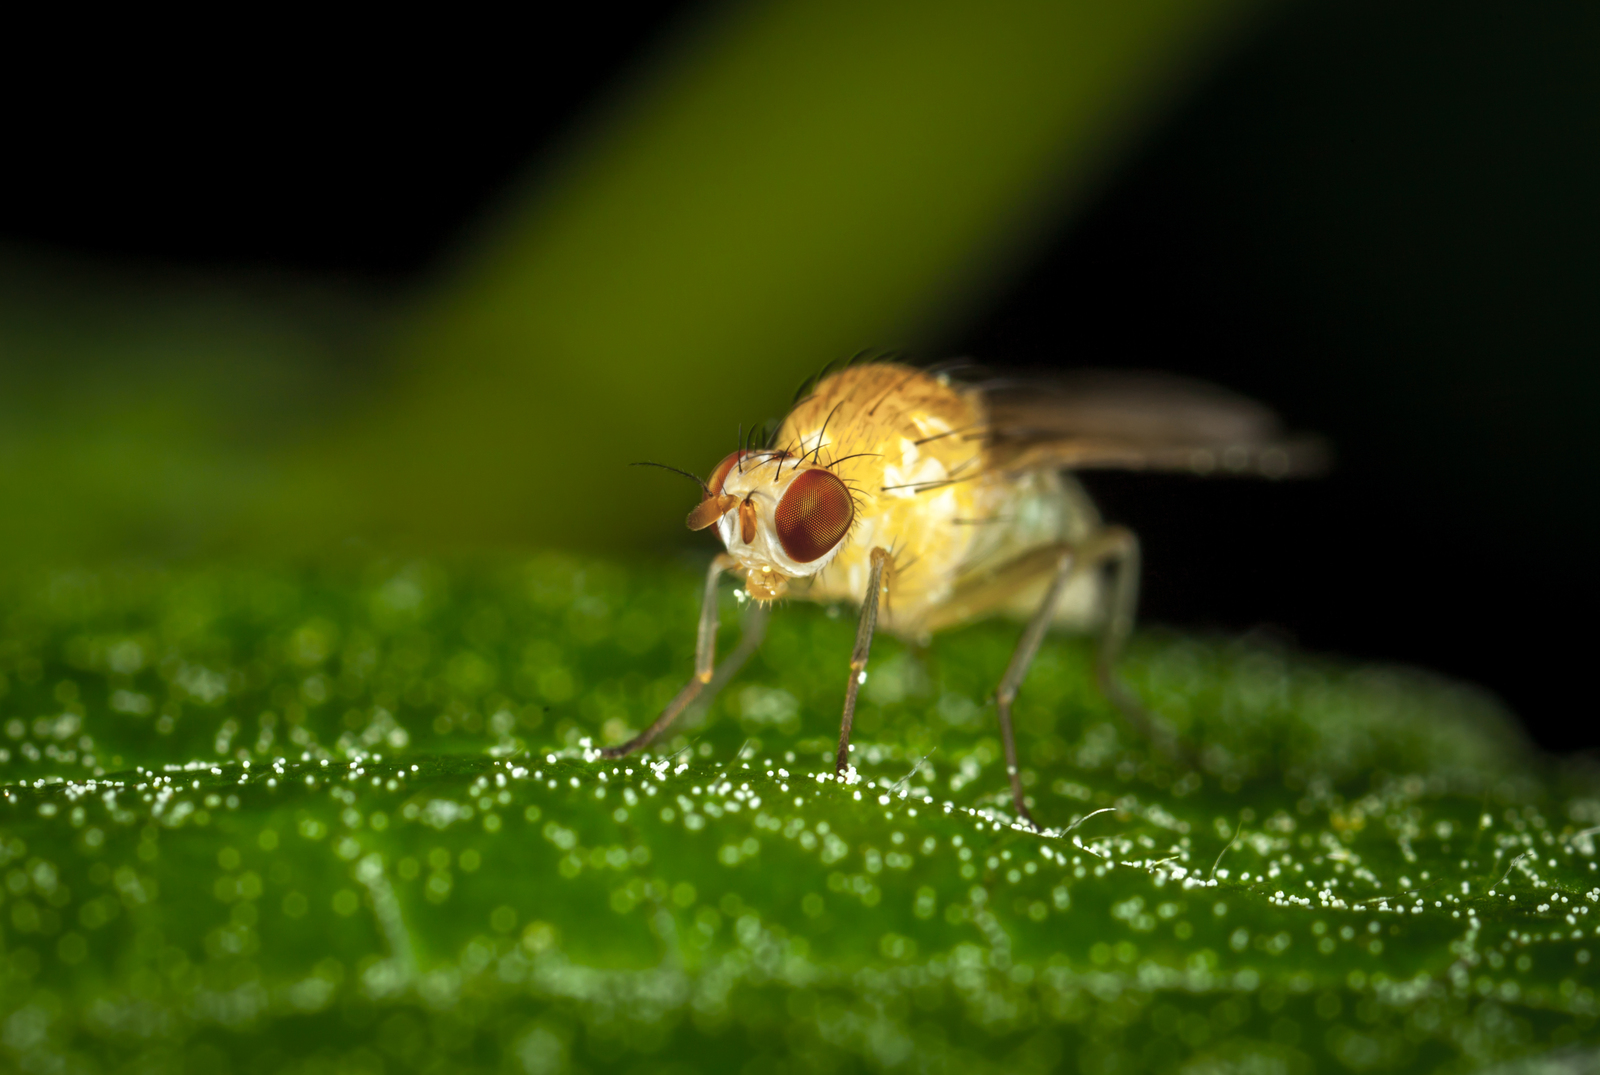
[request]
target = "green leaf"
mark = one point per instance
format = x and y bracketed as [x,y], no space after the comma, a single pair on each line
[348,820]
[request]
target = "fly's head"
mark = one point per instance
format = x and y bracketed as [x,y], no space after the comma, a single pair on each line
[780,517]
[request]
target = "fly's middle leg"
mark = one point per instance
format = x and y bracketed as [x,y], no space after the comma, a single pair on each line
[877,587]
[750,639]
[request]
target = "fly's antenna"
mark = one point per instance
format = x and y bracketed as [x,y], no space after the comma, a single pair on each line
[692,477]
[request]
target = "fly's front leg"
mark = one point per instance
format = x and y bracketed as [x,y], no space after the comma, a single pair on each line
[877,586]
[705,655]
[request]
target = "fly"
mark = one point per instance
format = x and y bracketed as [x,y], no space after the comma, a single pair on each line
[930,503]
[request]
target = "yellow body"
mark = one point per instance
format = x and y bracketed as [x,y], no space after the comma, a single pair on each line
[943,503]
[928,491]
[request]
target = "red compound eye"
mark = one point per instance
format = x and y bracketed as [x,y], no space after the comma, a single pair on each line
[814,515]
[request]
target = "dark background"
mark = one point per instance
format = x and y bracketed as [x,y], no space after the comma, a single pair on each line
[1381,219]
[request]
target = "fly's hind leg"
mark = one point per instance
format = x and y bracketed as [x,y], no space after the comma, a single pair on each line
[1117,548]
[1120,551]
[708,679]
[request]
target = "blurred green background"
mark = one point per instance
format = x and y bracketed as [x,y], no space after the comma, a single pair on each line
[778,186]
[435,296]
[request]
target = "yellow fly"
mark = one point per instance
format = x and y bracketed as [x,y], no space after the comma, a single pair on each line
[930,503]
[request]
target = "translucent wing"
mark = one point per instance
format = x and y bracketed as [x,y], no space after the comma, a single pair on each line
[1140,421]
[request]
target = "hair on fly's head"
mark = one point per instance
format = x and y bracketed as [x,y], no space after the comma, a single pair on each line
[821,433]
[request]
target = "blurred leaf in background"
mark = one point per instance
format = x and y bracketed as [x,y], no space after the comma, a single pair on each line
[784,184]
[794,182]
[151,412]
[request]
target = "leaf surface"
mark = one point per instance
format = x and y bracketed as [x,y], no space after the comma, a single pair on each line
[315,820]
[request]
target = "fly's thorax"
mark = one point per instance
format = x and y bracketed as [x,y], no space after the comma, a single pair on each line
[786,518]
[910,444]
